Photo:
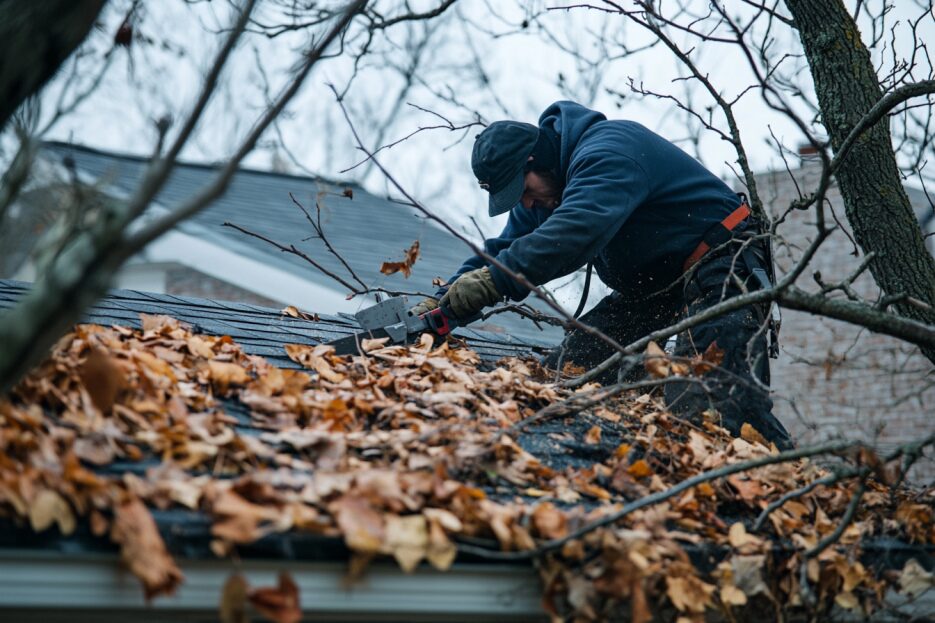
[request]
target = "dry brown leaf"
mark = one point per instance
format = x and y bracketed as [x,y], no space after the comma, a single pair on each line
[747,488]
[914,579]
[295,312]
[405,266]
[689,594]
[549,522]
[103,378]
[712,357]
[368,345]
[593,436]
[280,603]
[640,469]
[445,518]
[49,507]
[224,374]
[143,550]
[743,541]
[581,594]
[199,347]
[748,433]
[98,523]
[918,520]
[441,551]
[240,521]
[233,606]
[656,361]
[96,449]
[406,538]
[847,600]
[313,357]
[732,596]
[361,525]
[158,323]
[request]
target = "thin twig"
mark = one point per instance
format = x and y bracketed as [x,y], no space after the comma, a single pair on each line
[293,250]
[319,230]
[842,525]
[661,496]
[830,479]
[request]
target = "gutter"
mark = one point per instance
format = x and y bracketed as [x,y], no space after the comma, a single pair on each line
[50,587]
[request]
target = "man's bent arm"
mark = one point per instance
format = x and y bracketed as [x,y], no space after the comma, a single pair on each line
[520,223]
[603,191]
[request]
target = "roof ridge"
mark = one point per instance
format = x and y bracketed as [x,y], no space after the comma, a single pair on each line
[201,165]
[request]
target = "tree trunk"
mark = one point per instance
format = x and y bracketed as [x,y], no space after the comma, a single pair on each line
[875,202]
[36,36]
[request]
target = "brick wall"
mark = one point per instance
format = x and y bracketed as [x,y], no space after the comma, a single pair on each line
[185,281]
[833,378]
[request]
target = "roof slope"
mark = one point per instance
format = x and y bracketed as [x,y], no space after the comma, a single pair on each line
[260,330]
[366,230]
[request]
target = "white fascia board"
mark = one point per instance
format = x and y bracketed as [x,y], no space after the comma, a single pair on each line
[53,583]
[238,269]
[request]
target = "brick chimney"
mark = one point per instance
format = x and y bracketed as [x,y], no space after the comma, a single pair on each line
[808,154]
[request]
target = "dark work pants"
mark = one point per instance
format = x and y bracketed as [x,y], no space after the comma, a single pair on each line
[737,389]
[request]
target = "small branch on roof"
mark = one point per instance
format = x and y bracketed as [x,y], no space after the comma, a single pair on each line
[320,233]
[834,447]
[580,402]
[910,453]
[294,251]
[807,594]
[801,491]
[291,249]
[526,312]
[844,523]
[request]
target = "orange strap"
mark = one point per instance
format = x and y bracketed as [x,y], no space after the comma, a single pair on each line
[733,219]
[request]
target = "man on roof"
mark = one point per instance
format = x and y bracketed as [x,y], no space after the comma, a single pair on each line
[581,189]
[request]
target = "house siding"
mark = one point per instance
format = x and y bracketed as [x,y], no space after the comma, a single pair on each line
[832,378]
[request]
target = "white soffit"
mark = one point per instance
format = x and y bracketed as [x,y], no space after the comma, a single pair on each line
[190,245]
[242,271]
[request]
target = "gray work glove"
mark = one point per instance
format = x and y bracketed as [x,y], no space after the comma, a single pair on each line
[470,293]
[426,305]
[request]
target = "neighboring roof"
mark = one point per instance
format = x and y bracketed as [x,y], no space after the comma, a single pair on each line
[398,452]
[366,230]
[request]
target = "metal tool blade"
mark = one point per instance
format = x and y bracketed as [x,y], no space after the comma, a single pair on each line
[350,345]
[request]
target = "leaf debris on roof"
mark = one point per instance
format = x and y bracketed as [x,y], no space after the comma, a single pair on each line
[412,452]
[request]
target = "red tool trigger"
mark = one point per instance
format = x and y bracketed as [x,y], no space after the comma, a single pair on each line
[437,321]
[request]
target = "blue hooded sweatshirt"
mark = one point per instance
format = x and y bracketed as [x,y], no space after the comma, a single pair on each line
[633,203]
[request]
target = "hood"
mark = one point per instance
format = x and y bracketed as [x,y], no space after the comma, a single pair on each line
[570,120]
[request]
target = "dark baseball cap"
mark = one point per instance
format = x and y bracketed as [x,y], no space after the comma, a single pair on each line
[499,162]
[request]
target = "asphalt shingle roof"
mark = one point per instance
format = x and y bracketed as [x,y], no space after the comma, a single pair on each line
[366,230]
[260,330]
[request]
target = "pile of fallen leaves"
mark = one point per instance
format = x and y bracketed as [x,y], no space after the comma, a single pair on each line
[414,452]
